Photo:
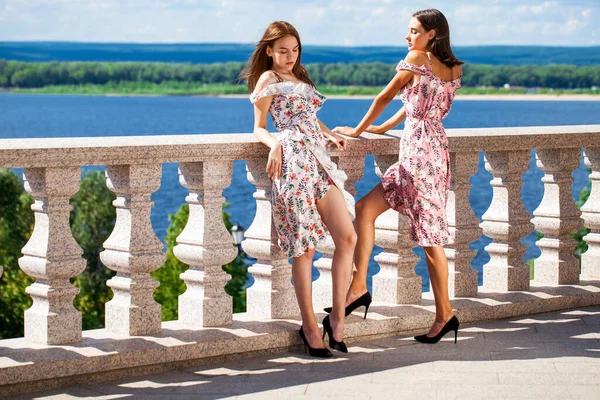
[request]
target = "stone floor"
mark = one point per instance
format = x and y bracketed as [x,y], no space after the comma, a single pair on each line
[553,355]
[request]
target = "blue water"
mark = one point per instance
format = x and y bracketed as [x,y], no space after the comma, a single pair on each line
[29,116]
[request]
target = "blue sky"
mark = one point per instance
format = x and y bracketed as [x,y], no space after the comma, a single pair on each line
[335,22]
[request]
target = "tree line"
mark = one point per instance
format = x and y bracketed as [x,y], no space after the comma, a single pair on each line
[18,74]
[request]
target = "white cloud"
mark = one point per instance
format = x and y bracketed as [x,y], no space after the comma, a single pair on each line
[334,22]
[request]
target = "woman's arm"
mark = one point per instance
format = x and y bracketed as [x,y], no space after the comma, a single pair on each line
[389,124]
[401,78]
[381,101]
[261,111]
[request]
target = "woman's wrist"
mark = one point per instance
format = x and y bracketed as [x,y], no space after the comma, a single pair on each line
[275,145]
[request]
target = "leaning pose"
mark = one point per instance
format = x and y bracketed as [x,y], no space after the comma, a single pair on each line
[308,189]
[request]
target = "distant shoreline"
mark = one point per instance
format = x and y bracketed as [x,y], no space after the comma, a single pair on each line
[459,97]
[468,97]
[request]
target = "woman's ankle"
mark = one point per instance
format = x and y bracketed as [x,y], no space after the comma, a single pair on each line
[357,289]
[310,328]
[337,317]
[445,317]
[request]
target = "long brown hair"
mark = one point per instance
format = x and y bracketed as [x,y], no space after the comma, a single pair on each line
[260,62]
[440,44]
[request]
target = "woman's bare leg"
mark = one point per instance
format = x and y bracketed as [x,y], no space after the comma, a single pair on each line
[302,275]
[367,210]
[437,265]
[334,214]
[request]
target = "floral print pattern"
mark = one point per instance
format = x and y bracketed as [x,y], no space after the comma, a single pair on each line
[418,184]
[307,171]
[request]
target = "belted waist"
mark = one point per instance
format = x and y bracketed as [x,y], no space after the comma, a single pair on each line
[423,118]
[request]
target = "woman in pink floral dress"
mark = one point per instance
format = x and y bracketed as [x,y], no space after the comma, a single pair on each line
[417,185]
[308,190]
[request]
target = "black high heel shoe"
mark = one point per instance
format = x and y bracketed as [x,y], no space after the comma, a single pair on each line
[319,353]
[451,325]
[334,344]
[364,300]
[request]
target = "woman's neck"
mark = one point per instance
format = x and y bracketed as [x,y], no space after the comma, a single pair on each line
[286,73]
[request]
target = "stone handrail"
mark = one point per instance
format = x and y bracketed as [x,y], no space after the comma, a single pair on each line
[133,171]
[51,173]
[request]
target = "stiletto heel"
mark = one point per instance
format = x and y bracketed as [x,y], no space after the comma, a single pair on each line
[364,300]
[334,344]
[320,353]
[451,325]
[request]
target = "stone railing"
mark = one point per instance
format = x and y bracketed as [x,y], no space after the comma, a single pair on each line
[133,171]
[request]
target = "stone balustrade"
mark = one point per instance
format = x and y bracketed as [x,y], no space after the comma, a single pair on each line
[133,172]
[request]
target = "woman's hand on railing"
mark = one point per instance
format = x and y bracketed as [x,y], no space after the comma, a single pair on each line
[274,161]
[346,131]
[339,141]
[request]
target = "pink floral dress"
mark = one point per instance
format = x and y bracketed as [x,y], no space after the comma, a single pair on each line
[418,184]
[307,171]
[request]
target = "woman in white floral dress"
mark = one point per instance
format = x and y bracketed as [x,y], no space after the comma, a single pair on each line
[308,190]
[417,185]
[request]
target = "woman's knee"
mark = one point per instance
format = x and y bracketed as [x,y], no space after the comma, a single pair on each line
[346,240]
[362,211]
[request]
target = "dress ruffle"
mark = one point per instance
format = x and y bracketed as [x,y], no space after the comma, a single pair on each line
[287,87]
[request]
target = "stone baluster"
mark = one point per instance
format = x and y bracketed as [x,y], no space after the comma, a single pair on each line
[397,282]
[52,256]
[133,251]
[557,217]
[206,245]
[463,225]
[506,221]
[590,260]
[272,295]
[354,167]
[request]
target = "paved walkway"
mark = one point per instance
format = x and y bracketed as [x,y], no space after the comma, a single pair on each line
[553,355]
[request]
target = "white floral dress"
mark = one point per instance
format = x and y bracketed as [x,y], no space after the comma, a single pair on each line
[307,171]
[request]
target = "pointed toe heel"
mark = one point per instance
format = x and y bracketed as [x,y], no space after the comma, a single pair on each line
[364,300]
[451,325]
[334,344]
[318,353]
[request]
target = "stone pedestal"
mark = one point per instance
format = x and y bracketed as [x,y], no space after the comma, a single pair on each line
[133,251]
[590,260]
[464,226]
[52,256]
[272,295]
[206,245]
[507,222]
[557,217]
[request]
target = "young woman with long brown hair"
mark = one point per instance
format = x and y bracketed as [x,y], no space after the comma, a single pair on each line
[308,189]
[417,185]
